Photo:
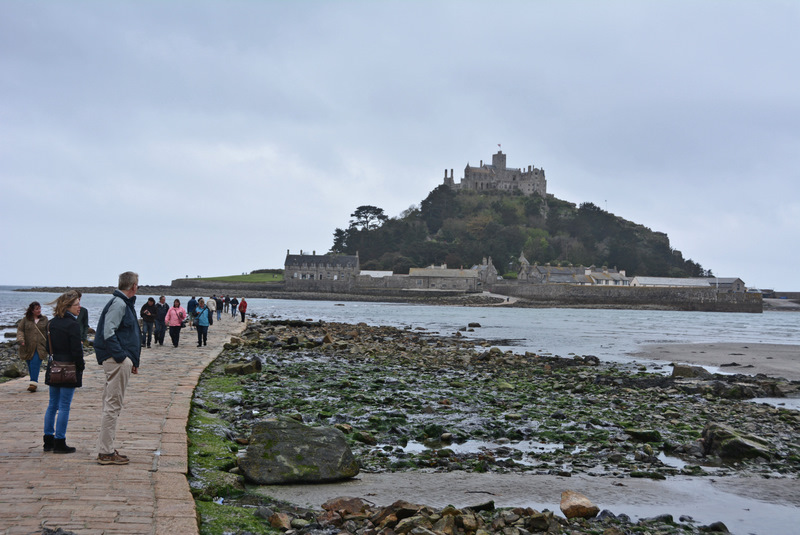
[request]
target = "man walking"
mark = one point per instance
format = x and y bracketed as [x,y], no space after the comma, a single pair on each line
[161,314]
[211,305]
[191,306]
[117,345]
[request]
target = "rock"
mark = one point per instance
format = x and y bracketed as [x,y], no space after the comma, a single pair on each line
[364,437]
[399,510]
[280,521]
[283,450]
[473,324]
[217,483]
[683,370]
[644,435]
[16,369]
[716,527]
[243,368]
[728,444]
[576,505]
[504,385]
[264,512]
[345,505]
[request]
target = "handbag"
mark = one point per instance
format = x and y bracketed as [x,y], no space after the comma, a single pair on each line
[59,373]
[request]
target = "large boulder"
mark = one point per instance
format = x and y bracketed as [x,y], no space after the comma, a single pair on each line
[576,505]
[728,444]
[695,372]
[284,450]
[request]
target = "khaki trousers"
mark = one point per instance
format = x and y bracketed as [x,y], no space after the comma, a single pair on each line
[117,375]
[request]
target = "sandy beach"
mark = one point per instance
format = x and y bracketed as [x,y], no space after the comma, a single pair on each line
[773,360]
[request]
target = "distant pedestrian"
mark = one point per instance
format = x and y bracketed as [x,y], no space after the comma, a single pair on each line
[148,313]
[243,308]
[190,308]
[226,303]
[174,320]
[117,346]
[234,304]
[161,315]
[202,316]
[83,322]
[32,338]
[212,308]
[65,346]
[218,301]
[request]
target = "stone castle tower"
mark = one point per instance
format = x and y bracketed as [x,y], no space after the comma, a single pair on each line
[499,177]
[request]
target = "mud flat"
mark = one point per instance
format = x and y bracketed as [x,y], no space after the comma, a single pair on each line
[774,360]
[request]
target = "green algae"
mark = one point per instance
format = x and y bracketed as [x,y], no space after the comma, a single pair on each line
[216,519]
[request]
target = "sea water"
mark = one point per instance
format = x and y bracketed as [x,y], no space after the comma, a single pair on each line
[611,335]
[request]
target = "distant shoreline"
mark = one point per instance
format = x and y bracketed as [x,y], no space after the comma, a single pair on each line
[248,290]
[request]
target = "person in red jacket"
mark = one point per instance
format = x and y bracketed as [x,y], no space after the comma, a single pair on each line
[242,308]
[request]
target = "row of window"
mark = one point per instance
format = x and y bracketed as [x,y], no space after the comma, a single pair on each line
[314,276]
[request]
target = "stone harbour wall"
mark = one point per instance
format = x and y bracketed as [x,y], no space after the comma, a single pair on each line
[700,299]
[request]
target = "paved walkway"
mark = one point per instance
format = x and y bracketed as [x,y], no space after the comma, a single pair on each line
[148,496]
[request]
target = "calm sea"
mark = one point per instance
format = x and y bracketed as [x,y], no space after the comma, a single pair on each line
[609,334]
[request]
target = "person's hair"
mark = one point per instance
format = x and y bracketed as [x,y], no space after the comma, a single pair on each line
[29,312]
[151,299]
[63,302]
[127,280]
[178,301]
[201,300]
[162,297]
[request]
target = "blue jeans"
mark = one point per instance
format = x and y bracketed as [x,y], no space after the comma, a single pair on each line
[34,367]
[219,314]
[161,329]
[60,400]
[147,332]
[202,334]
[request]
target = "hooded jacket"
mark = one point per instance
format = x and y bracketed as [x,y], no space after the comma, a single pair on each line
[118,334]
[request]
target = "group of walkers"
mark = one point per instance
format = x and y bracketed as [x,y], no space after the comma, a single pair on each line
[118,343]
[117,349]
[159,317]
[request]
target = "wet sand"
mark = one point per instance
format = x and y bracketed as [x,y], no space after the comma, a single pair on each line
[746,505]
[773,360]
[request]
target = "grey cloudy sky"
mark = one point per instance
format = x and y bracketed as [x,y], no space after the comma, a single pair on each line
[207,138]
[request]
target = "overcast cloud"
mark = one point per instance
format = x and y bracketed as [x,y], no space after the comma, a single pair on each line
[207,138]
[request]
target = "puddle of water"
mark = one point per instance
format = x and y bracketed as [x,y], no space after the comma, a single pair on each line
[477,446]
[783,403]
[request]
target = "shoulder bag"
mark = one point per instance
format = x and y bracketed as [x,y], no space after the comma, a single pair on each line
[59,373]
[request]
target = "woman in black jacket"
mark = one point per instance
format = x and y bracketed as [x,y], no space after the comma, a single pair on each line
[65,346]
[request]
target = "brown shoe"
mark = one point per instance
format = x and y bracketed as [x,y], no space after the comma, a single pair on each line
[111,458]
[122,456]
[31,387]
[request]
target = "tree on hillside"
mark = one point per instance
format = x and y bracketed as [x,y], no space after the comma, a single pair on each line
[439,205]
[367,217]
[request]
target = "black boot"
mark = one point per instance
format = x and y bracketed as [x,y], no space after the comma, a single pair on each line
[60,446]
[48,442]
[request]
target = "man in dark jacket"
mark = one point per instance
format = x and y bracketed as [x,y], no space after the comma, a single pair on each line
[161,313]
[191,306]
[117,346]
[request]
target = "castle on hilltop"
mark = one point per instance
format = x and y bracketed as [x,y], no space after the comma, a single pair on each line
[499,177]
